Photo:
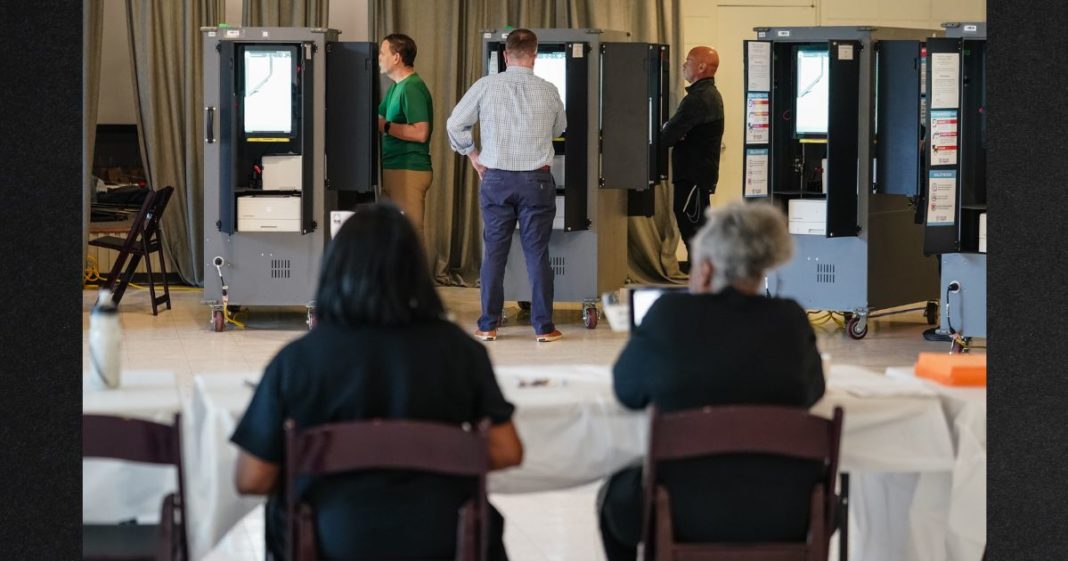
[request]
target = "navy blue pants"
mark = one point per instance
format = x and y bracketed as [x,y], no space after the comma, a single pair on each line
[529,198]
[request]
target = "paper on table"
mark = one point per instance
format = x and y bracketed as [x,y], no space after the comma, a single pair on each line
[861,382]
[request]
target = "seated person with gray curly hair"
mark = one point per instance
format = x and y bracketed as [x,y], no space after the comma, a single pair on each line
[722,343]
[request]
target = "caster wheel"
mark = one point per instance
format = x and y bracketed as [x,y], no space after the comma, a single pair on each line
[847,316]
[857,327]
[931,313]
[956,348]
[218,320]
[589,317]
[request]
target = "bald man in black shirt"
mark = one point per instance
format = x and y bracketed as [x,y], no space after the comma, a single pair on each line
[695,132]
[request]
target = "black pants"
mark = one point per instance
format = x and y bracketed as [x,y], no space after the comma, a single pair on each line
[619,505]
[690,204]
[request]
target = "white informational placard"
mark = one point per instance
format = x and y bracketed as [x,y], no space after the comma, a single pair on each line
[757,118]
[944,137]
[945,80]
[845,52]
[759,60]
[756,172]
[942,198]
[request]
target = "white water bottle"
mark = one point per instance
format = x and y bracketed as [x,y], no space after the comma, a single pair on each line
[105,340]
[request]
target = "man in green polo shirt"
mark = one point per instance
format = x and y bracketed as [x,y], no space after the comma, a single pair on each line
[405,118]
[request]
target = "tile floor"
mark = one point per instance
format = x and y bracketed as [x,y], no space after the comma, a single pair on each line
[540,526]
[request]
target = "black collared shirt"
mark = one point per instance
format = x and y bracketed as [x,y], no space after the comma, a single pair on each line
[696,132]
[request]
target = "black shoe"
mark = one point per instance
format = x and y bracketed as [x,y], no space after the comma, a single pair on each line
[932,334]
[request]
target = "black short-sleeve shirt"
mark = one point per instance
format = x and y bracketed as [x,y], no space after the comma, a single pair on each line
[428,371]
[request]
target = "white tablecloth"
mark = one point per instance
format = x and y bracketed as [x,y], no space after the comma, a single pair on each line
[951,507]
[114,491]
[574,432]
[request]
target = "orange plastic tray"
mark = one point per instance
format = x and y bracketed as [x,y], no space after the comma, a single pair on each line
[953,369]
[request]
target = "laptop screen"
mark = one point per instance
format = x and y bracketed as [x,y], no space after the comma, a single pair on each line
[642,299]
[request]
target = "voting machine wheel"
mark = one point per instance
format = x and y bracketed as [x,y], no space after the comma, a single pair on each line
[218,320]
[589,316]
[857,327]
[931,313]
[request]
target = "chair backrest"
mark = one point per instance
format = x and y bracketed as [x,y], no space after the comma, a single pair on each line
[155,211]
[138,223]
[133,440]
[136,440]
[393,445]
[742,429]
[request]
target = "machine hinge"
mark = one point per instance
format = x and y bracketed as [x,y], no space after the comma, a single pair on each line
[600,181]
[218,224]
[218,47]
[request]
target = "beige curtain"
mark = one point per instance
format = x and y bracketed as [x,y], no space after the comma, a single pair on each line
[450,62]
[166,50]
[92,37]
[285,13]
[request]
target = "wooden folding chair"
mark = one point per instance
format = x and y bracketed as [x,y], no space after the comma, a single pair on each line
[141,241]
[391,445]
[138,441]
[726,430]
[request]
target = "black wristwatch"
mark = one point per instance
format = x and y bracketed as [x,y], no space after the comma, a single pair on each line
[385,127]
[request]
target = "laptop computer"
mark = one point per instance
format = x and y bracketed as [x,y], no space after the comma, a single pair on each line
[643,297]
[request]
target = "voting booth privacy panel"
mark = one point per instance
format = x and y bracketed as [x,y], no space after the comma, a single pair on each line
[955,218]
[834,128]
[615,97]
[289,137]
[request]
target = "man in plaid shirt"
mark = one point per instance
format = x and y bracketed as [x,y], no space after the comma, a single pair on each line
[519,114]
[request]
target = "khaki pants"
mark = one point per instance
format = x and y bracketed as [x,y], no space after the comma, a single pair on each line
[407,188]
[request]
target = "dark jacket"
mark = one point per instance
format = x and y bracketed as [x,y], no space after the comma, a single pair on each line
[696,133]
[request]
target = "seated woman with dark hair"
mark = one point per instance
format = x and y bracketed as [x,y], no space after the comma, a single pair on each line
[723,343]
[381,349]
